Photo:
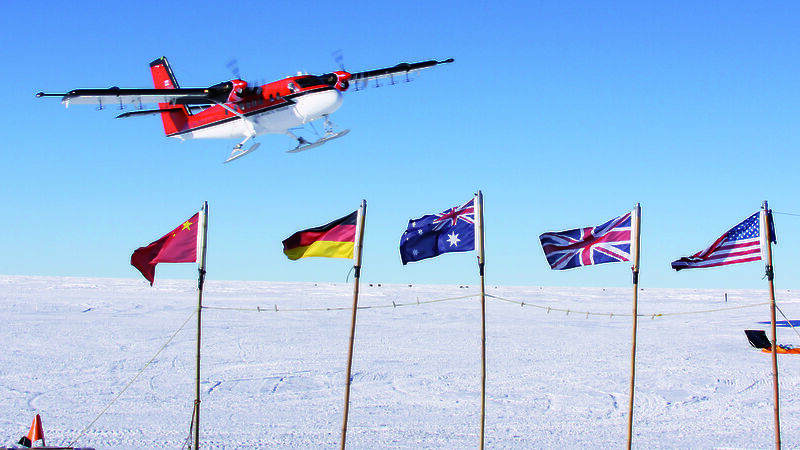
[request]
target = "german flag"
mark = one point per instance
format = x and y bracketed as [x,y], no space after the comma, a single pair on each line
[332,240]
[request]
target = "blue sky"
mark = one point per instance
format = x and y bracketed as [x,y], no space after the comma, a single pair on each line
[565,114]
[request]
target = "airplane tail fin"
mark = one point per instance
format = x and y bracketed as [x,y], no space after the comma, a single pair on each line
[175,119]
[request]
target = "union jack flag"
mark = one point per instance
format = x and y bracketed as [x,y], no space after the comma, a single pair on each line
[433,234]
[609,242]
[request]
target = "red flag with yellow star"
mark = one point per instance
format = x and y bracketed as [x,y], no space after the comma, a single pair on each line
[177,246]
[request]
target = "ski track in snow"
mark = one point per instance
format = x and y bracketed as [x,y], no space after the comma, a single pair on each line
[276,379]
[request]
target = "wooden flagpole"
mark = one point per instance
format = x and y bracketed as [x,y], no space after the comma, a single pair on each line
[362,213]
[765,232]
[201,276]
[481,264]
[636,221]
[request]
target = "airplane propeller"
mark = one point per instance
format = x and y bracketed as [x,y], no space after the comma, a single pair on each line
[233,66]
[338,57]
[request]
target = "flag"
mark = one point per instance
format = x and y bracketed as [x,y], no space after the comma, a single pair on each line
[36,433]
[177,246]
[332,240]
[606,243]
[742,243]
[431,235]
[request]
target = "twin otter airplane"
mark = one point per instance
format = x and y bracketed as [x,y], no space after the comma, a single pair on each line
[234,109]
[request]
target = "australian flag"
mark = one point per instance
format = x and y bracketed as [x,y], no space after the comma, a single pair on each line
[609,242]
[433,234]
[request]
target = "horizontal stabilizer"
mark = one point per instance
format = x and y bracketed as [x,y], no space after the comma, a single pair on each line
[122,97]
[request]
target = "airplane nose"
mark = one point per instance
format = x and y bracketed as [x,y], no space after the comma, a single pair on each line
[315,105]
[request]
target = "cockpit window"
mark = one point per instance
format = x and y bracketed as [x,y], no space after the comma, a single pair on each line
[308,81]
[330,79]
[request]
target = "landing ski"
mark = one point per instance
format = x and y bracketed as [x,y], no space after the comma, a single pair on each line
[320,141]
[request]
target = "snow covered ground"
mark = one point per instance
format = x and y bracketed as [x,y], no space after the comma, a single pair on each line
[275,379]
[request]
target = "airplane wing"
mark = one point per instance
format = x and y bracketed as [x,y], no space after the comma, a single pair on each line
[137,97]
[386,72]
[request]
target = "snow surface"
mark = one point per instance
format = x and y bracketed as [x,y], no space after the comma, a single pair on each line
[275,379]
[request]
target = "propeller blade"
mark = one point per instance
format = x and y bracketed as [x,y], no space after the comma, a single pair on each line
[338,56]
[233,66]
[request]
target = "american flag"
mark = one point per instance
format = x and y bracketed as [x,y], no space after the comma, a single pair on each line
[609,242]
[740,244]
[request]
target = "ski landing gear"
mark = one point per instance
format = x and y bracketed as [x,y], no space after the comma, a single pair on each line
[238,152]
[251,128]
[303,144]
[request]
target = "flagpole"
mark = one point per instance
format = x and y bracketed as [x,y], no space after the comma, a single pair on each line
[770,277]
[635,235]
[362,212]
[481,264]
[201,276]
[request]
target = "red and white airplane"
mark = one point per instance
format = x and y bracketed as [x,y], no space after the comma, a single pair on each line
[233,109]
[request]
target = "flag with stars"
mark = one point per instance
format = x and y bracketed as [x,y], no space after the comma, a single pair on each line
[742,243]
[433,234]
[609,242]
[177,246]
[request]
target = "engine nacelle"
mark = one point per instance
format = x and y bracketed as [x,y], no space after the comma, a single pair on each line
[238,91]
[340,80]
[231,91]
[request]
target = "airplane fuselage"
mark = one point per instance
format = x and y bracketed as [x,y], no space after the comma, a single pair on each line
[272,108]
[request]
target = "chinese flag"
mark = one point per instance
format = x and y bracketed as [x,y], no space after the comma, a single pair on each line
[177,246]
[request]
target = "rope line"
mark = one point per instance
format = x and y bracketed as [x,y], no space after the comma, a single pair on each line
[342,308]
[785,213]
[394,304]
[787,319]
[653,316]
[752,305]
[83,432]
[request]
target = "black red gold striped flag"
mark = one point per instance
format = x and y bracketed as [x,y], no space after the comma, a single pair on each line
[333,240]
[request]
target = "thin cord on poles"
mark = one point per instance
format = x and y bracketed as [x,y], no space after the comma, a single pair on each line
[518,302]
[785,213]
[394,305]
[550,308]
[80,435]
[787,320]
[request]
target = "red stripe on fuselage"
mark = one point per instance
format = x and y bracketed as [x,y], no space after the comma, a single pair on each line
[273,96]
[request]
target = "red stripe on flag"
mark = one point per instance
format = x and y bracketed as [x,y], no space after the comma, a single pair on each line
[340,233]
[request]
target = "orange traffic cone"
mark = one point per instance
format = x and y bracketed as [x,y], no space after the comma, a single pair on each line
[34,434]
